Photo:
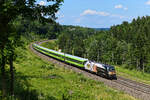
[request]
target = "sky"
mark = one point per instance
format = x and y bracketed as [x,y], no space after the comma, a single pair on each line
[100,13]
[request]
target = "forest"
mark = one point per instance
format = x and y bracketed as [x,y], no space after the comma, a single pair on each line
[126,44]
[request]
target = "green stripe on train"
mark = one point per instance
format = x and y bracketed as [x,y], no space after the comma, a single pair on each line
[50,54]
[61,54]
[62,59]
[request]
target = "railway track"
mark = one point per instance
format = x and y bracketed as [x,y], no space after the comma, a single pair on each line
[133,84]
[133,88]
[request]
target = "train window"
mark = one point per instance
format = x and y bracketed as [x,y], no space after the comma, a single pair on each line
[52,53]
[111,68]
[80,62]
[74,60]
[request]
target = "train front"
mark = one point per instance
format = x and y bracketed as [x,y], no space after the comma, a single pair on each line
[111,72]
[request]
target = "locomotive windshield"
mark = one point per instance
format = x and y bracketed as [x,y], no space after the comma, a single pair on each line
[111,68]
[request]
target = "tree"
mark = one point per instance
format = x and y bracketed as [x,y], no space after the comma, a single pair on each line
[127,44]
[9,11]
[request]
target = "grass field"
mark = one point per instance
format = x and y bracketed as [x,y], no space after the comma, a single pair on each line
[36,79]
[134,75]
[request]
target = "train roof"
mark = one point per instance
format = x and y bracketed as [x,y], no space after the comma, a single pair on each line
[76,57]
[104,65]
[60,53]
[108,65]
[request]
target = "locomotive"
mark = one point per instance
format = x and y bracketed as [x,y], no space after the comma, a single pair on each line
[103,70]
[100,69]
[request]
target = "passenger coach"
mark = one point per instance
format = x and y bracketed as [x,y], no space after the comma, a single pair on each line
[100,69]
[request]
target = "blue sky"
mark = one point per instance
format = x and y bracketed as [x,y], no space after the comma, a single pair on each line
[100,13]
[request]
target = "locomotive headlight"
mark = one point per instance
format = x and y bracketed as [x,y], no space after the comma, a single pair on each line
[111,73]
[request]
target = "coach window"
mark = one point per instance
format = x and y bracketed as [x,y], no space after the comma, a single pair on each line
[75,60]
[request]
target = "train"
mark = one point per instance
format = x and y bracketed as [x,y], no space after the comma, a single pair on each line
[103,70]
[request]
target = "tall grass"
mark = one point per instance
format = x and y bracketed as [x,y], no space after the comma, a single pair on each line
[133,74]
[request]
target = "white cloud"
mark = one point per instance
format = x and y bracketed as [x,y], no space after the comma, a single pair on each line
[103,13]
[148,2]
[118,16]
[118,6]
[42,3]
[93,12]
[125,8]
[89,12]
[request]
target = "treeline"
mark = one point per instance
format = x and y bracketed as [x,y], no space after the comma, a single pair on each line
[127,44]
[72,39]
[33,30]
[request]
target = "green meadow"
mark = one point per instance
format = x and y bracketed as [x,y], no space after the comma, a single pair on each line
[39,79]
[133,74]
[36,79]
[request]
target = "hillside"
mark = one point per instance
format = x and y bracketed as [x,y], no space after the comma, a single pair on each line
[47,81]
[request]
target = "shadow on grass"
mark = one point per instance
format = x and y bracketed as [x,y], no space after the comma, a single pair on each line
[22,89]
